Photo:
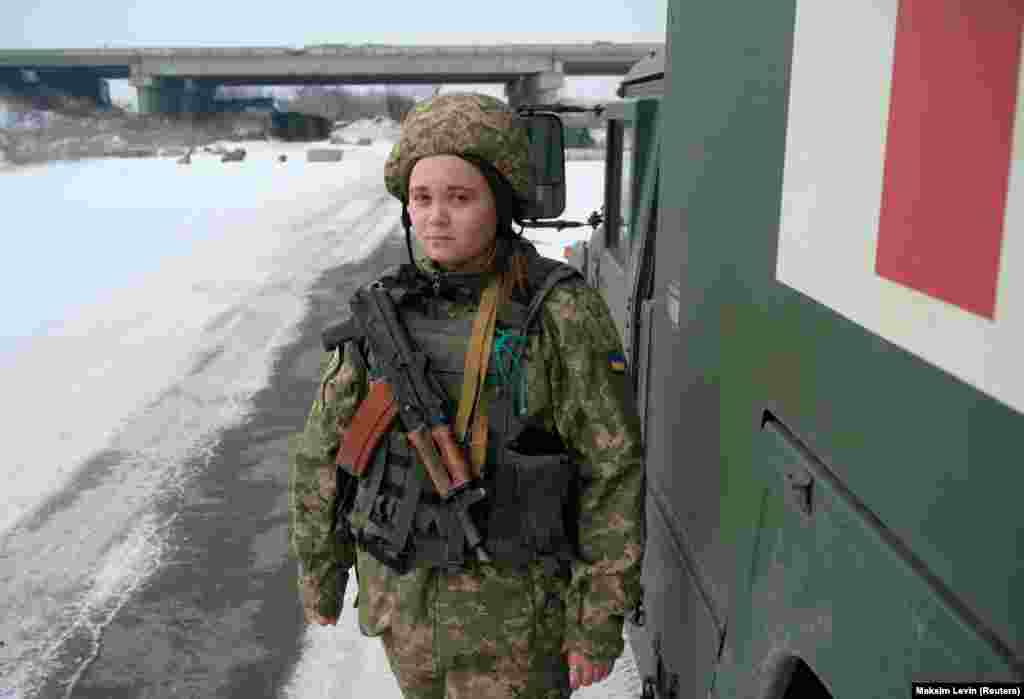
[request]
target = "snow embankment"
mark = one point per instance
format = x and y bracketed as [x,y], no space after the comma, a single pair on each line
[32,132]
[365,132]
[40,130]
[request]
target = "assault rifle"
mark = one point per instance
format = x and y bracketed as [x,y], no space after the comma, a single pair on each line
[421,404]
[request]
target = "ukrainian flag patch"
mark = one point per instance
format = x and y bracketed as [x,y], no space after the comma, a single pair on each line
[617,362]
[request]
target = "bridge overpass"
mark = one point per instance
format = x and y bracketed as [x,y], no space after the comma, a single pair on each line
[175,80]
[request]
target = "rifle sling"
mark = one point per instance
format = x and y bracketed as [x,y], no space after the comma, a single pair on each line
[475,374]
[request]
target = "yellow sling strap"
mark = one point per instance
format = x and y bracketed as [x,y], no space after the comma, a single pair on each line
[478,357]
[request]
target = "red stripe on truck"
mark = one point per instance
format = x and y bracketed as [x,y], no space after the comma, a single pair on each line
[948,148]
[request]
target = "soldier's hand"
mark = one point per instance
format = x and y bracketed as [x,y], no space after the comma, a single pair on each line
[311,603]
[583,673]
[315,617]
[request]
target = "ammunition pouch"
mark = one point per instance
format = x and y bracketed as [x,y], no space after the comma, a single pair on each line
[404,524]
[527,518]
[347,487]
[385,505]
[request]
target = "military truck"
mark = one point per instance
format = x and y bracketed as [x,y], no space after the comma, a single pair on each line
[812,246]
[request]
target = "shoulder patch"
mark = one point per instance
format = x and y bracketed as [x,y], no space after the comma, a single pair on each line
[617,362]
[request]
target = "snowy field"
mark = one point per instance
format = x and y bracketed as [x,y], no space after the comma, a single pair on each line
[133,265]
[146,304]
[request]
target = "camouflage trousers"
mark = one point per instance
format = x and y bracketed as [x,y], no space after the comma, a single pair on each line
[539,673]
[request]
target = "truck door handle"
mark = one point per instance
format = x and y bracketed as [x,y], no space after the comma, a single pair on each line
[800,489]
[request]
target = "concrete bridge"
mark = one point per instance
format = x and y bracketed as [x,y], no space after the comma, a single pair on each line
[175,80]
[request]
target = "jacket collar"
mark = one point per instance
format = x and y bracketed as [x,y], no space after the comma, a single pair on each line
[463,284]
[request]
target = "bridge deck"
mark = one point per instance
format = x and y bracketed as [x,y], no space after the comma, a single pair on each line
[356,64]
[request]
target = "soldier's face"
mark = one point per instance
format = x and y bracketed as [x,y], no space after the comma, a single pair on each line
[453,211]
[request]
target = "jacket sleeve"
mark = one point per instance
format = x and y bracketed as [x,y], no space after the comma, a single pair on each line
[313,482]
[594,412]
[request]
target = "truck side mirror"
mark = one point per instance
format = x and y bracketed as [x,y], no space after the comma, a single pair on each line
[547,166]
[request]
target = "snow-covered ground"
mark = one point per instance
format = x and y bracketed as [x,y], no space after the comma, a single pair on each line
[112,253]
[153,367]
[164,292]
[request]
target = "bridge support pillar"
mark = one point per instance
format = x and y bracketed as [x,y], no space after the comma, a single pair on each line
[173,95]
[197,97]
[537,88]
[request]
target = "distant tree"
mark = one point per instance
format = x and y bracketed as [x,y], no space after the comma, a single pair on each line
[337,102]
[349,103]
[321,100]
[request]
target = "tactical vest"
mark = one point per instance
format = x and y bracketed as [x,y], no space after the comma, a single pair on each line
[397,516]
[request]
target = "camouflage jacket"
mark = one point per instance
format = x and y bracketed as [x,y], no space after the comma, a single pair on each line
[574,388]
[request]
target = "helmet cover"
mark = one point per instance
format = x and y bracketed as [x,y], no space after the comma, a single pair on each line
[459,124]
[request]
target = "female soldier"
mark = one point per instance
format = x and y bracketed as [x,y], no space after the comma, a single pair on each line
[545,414]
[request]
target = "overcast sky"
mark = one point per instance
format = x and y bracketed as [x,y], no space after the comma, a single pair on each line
[63,24]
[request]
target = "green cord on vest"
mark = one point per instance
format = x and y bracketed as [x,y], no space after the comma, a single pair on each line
[511,372]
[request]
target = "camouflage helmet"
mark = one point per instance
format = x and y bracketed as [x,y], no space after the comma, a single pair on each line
[461,124]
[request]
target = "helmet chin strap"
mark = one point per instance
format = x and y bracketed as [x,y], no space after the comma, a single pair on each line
[407,225]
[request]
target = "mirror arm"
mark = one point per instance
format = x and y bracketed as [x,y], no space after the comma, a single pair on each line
[594,220]
[531,109]
[557,225]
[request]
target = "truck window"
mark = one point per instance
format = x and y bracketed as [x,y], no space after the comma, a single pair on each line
[620,178]
[627,179]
